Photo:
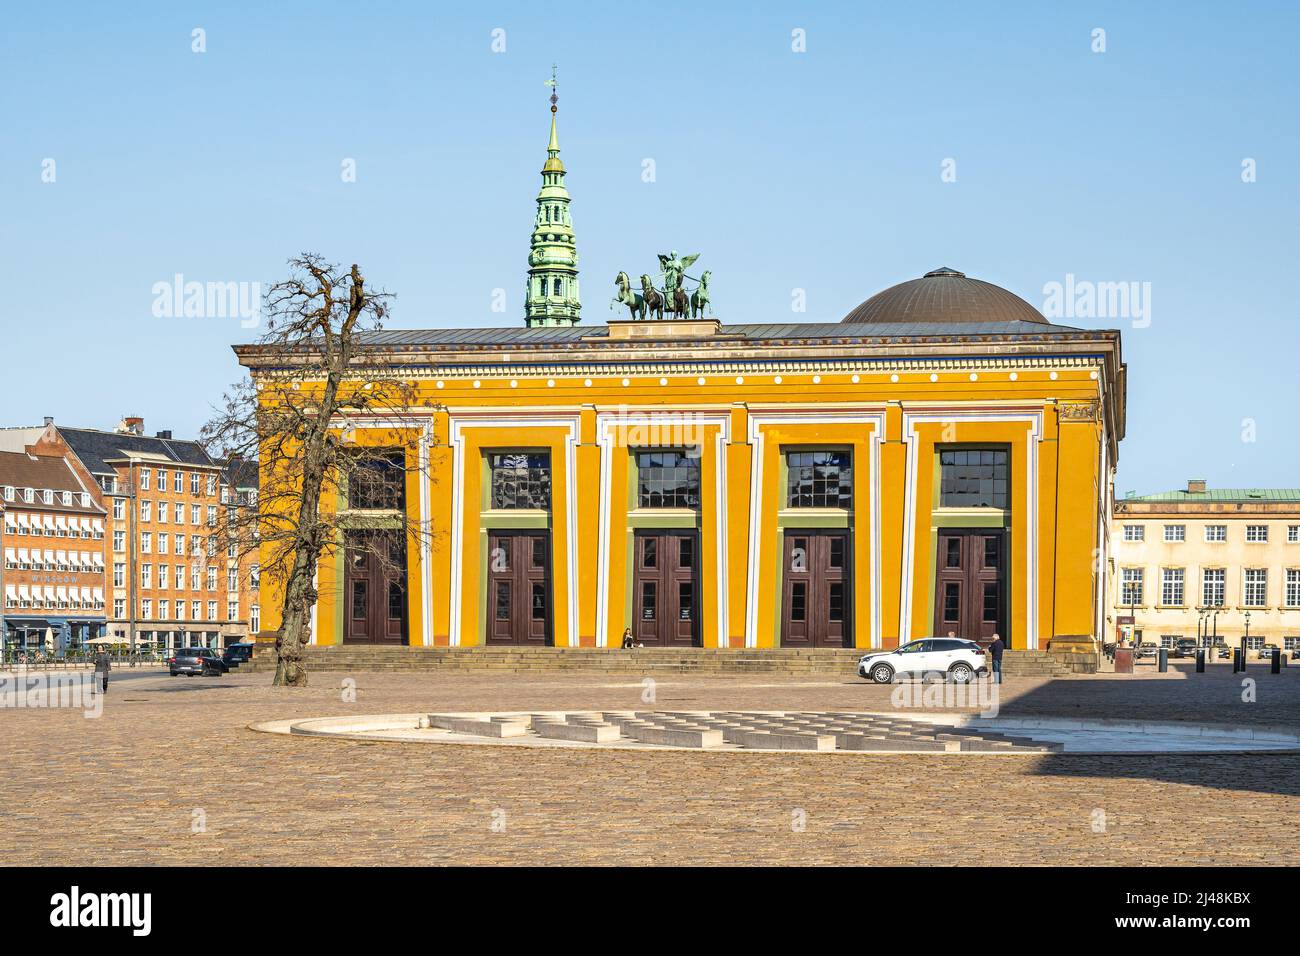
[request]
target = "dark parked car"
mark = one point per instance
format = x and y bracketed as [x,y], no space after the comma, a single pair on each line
[1185,647]
[237,654]
[196,661]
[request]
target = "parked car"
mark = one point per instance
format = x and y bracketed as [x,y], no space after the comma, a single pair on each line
[950,658]
[1144,650]
[196,661]
[236,654]
[1184,647]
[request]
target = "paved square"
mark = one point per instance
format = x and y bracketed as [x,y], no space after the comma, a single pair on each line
[172,756]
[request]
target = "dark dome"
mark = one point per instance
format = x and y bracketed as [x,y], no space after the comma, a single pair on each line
[945,296]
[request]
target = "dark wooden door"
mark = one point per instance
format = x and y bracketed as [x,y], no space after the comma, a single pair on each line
[374,587]
[519,587]
[816,585]
[970,587]
[665,588]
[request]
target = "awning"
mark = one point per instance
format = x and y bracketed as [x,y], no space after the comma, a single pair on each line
[98,525]
[11,593]
[23,593]
[49,557]
[85,526]
[99,560]
[49,592]
[23,556]
[62,557]
[60,523]
[11,523]
[48,522]
[99,594]
[24,521]
[11,556]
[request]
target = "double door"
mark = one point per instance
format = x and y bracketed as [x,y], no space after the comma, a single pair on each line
[970,587]
[665,588]
[374,587]
[519,588]
[816,585]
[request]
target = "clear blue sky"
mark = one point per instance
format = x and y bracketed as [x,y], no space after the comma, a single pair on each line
[816,170]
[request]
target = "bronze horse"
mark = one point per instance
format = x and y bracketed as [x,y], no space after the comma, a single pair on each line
[634,301]
[653,302]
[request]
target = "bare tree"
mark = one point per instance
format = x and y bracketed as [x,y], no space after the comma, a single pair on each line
[312,384]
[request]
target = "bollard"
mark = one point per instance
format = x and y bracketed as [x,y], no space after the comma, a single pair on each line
[1200,660]
[1237,663]
[1275,667]
[1162,660]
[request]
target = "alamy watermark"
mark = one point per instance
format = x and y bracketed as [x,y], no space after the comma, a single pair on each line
[178,299]
[1084,299]
[64,689]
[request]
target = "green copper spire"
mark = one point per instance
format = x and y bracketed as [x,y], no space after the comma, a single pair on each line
[552,296]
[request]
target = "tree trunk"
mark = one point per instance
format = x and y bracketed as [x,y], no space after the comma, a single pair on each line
[300,592]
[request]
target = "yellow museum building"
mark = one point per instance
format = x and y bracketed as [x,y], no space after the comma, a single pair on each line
[941,460]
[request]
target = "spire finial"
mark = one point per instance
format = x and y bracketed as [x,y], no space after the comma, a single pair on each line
[553,83]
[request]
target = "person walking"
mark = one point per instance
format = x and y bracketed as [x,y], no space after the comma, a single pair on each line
[102,667]
[995,652]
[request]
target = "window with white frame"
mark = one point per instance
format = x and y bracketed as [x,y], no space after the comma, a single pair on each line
[195,607]
[29,495]
[9,493]
[146,511]
[1169,640]
[146,542]
[1293,534]
[194,483]
[1216,532]
[178,482]
[255,618]
[1131,589]
[1257,533]
[164,541]
[119,541]
[232,610]
[212,610]
[1175,532]
[212,485]
[164,610]
[66,498]
[119,607]
[119,509]
[1291,644]
[212,579]
[232,579]
[146,609]
[144,479]
[1255,593]
[1254,643]
[1135,532]
[146,575]
[1213,584]
[1293,587]
[1171,587]
[162,479]
[119,574]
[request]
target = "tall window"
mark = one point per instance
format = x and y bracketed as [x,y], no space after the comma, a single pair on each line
[521,480]
[668,479]
[1131,592]
[1256,591]
[1293,587]
[820,479]
[973,478]
[1293,534]
[1171,587]
[1212,587]
[375,483]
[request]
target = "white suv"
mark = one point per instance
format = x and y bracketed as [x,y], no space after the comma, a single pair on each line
[947,657]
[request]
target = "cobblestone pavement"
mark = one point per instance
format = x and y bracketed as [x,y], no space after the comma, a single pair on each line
[127,788]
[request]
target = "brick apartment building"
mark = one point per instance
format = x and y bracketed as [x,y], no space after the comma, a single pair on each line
[169,577]
[53,540]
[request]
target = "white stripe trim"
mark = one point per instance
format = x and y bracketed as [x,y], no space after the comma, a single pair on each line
[1034,419]
[759,418]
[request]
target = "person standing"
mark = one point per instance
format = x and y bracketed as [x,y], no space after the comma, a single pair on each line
[102,667]
[995,652]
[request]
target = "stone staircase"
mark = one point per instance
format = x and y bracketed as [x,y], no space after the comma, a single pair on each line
[697,660]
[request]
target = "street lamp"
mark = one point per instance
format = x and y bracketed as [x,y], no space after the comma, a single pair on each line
[1245,640]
